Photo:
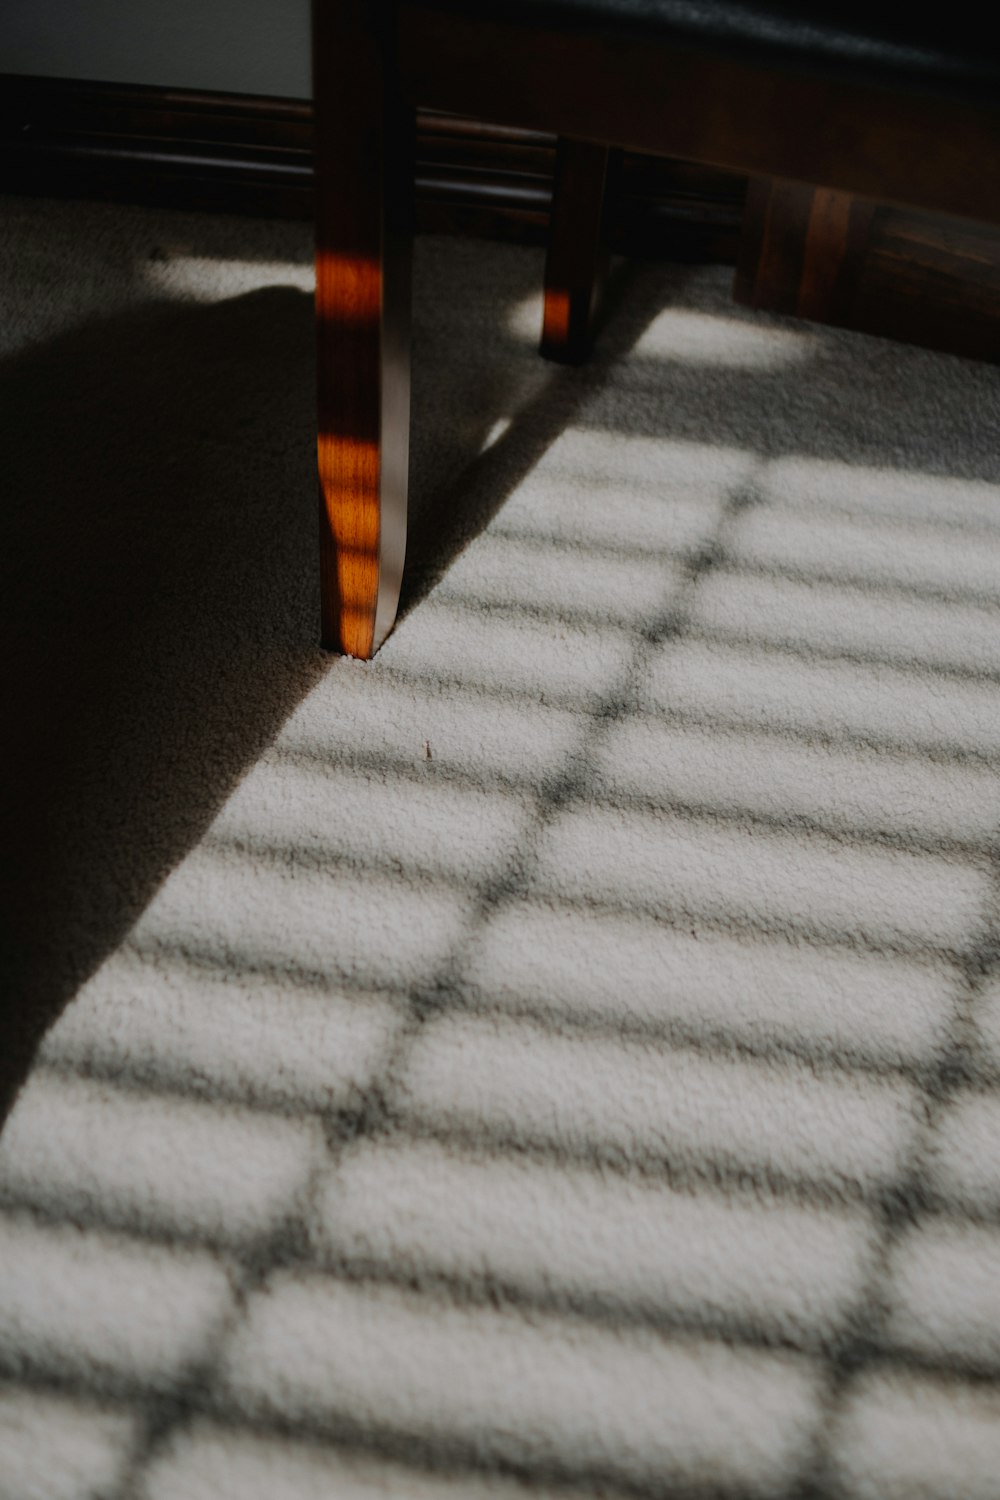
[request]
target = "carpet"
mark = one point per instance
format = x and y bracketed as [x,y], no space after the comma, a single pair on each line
[560,1057]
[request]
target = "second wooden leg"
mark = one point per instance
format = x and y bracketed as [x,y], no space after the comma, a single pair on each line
[577,261]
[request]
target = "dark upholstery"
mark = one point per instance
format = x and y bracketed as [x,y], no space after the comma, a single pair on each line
[951,50]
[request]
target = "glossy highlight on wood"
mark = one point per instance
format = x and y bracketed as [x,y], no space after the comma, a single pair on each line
[350,523]
[555,319]
[364,189]
[348,289]
[841,140]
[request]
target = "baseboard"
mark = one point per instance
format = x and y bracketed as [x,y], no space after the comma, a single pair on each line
[927,281]
[246,154]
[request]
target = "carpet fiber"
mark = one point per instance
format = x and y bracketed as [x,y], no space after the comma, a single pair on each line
[560,1058]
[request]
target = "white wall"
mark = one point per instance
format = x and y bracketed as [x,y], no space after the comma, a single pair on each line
[247,46]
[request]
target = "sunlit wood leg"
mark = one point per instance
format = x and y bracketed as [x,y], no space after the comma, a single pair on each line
[577,261]
[364,141]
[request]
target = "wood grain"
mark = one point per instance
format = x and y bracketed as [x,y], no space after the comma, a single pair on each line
[238,153]
[844,260]
[363,190]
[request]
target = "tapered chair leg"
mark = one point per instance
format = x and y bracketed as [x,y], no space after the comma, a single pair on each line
[576,264]
[364,153]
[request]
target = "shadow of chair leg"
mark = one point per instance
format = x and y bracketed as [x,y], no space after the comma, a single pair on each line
[159,584]
[454,511]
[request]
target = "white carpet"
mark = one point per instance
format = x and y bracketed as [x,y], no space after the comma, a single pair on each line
[560,1058]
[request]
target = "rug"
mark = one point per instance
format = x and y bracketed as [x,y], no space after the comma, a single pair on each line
[560,1057]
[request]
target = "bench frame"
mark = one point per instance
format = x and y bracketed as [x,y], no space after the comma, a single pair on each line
[374,62]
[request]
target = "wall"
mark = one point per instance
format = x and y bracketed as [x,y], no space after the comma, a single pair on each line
[243,46]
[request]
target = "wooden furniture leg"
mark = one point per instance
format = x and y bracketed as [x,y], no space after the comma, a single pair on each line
[868,123]
[576,264]
[364,149]
[802,249]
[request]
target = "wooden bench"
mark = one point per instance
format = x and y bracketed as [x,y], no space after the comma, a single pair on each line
[865,102]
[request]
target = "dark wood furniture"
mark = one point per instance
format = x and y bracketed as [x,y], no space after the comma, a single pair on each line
[863,104]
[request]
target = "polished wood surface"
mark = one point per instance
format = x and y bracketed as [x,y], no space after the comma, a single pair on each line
[577,260]
[849,141]
[803,249]
[845,260]
[363,236]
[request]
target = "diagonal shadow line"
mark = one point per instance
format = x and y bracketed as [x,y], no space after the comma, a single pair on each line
[159,1426]
[447,519]
[907,1204]
[145,671]
[151,666]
